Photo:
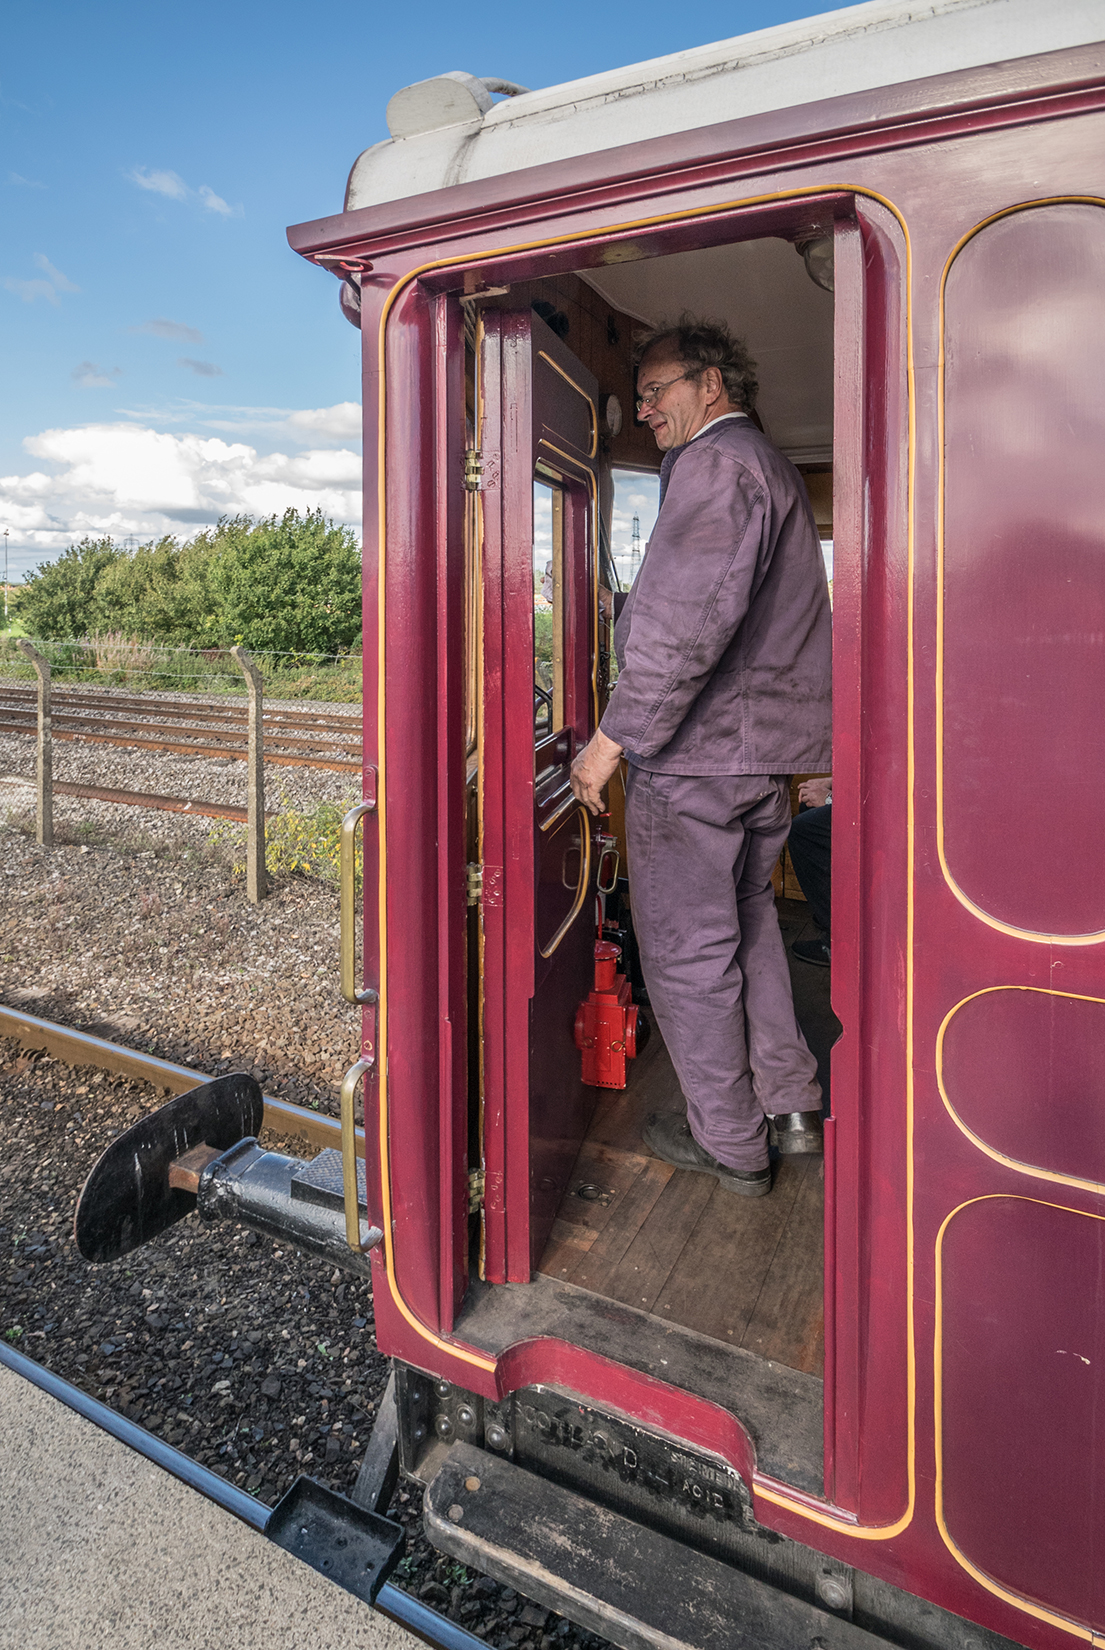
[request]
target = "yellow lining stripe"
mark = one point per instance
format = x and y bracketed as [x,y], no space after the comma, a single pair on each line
[1077,1629]
[963,898]
[828,1519]
[976,1140]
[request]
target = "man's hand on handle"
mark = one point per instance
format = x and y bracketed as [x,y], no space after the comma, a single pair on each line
[592,768]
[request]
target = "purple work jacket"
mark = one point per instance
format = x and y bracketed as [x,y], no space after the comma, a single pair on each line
[724,643]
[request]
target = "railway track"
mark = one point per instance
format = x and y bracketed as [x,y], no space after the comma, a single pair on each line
[75,1384]
[302,739]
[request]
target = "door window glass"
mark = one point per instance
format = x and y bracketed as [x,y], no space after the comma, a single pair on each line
[548,609]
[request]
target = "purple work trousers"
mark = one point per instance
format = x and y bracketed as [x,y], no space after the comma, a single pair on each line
[701,853]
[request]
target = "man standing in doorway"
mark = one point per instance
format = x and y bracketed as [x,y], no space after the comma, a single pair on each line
[724,648]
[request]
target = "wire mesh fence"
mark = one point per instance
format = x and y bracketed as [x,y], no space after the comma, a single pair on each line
[114,660]
[157,708]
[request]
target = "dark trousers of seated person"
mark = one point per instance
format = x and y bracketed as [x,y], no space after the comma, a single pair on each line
[811,853]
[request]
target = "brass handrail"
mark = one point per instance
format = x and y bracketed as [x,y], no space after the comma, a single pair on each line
[581,891]
[348,869]
[349,1158]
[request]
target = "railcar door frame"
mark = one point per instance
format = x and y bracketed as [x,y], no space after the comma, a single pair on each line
[870,1379]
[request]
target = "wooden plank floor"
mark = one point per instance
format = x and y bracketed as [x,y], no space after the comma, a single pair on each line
[745,1271]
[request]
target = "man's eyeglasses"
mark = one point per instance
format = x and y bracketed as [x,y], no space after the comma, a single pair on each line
[649,397]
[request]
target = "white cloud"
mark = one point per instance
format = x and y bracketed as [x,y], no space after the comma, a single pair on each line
[173,186]
[48,289]
[341,422]
[215,203]
[160,327]
[160,183]
[25,183]
[60,281]
[310,426]
[30,290]
[89,376]
[205,369]
[128,480]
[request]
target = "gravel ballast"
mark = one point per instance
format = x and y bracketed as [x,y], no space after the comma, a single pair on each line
[256,1360]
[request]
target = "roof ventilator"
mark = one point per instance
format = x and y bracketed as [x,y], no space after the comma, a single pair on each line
[453,99]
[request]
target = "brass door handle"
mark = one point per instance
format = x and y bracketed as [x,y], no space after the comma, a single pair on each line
[348,865]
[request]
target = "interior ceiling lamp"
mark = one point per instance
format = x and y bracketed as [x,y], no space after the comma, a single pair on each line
[817,255]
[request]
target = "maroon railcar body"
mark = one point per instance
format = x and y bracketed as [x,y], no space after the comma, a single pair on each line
[964,1388]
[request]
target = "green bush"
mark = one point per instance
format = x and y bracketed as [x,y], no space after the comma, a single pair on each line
[285,586]
[288,584]
[62,598]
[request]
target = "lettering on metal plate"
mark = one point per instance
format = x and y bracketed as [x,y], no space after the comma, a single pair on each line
[584,1446]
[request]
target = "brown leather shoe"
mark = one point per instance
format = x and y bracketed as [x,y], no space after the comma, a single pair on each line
[793,1133]
[669,1136]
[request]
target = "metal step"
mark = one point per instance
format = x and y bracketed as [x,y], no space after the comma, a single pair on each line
[640,1589]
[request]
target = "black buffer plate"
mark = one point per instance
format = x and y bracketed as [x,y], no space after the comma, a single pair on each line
[127,1199]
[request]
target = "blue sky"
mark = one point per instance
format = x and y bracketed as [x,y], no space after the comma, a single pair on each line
[164,354]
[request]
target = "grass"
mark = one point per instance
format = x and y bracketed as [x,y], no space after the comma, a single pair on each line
[115,660]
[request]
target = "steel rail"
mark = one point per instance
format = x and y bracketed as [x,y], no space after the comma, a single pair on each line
[231,752]
[13,720]
[81,1048]
[328,721]
[391,1601]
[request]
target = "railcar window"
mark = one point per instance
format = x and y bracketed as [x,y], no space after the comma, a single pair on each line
[548,609]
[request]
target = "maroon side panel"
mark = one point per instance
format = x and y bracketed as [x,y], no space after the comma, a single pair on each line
[414,1051]
[1025,1071]
[448,455]
[1023,554]
[1024,1315]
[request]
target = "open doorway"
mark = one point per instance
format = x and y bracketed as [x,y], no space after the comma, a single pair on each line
[584,1234]
[629,1228]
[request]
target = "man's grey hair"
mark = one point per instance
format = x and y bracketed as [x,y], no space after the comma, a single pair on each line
[700,344]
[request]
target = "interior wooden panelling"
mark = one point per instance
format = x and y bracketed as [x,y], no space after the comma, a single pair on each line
[602,338]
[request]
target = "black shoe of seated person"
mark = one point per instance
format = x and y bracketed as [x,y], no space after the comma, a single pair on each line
[817,951]
[669,1136]
[795,1133]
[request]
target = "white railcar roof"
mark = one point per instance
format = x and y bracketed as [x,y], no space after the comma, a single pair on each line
[881,43]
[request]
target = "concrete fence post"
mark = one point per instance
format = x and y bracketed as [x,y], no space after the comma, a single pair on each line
[257,885]
[45,775]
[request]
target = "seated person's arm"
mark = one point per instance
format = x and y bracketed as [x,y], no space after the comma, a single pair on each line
[815,792]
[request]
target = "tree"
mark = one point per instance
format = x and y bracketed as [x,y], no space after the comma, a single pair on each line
[288,584]
[60,599]
[158,592]
[283,585]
